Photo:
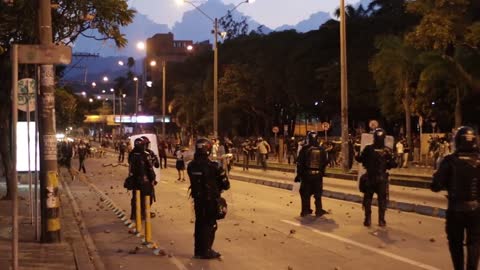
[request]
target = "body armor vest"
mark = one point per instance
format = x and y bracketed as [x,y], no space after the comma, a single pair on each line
[465,184]
[313,158]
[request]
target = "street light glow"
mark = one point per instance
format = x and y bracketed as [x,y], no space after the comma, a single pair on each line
[124,95]
[105,78]
[90,100]
[135,78]
[120,63]
[189,47]
[103,91]
[153,63]
[94,84]
[180,2]
[149,83]
[84,93]
[99,97]
[112,90]
[141,45]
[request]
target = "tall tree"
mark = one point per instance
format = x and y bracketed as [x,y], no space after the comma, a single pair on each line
[70,19]
[445,27]
[395,70]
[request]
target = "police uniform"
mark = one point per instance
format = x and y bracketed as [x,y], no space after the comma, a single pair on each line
[459,174]
[207,181]
[377,159]
[142,171]
[311,164]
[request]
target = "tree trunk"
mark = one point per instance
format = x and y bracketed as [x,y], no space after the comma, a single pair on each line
[5,130]
[458,109]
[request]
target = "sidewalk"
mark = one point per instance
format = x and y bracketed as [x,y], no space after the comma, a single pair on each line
[70,254]
[421,201]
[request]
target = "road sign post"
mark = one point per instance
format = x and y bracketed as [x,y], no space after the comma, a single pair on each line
[325,127]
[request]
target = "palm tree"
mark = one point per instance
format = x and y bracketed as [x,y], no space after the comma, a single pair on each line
[395,70]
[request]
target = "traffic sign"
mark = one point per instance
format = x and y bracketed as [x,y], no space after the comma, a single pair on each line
[26,95]
[326,126]
[275,129]
[44,54]
[373,124]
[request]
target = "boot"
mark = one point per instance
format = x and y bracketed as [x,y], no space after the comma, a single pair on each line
[367,206]
[381,218]
[368,220]
[473,253]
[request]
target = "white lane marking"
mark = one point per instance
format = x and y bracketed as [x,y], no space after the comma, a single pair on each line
[178,263]
[369,248]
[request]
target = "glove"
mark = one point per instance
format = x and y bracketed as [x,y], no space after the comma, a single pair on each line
[297,179]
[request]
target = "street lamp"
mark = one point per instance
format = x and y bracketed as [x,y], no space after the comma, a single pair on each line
[215,58]
[105,78]
[94,84]
[121,63]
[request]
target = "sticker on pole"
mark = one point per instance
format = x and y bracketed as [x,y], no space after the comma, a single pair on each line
[26,94]
[275,129]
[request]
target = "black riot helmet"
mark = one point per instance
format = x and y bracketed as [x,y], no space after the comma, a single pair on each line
[379,137]
[312,138]
[139,144]
[465,139]
[203,147]
[146,141]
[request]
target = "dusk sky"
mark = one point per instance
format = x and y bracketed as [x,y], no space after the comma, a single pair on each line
[271,13]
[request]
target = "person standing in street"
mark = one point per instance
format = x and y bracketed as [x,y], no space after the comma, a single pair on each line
[263,149]
[122,148]
[162,152]
[83,150]
[291,150]
[207,181]
[180,163]
[246,148]
[377,159]
[459,174]
[311,164]
[153,162]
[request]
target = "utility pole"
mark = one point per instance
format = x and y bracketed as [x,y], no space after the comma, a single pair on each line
[344,86]
[215,79]
[164,91]
[50,203]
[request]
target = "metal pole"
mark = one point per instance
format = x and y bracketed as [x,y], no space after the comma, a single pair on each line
[164,91]
[148,222]
[344,86]
[14,58]
[37,231]
[138,212]
[136,97]
[28,155]
[215,80]
[50,201]
[121,114]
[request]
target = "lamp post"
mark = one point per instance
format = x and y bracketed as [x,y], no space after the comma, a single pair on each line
[136,95]
[215,58]
[142,46]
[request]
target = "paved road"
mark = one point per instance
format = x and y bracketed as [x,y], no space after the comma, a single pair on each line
[262,230]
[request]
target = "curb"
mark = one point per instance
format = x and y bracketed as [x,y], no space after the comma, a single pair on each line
[394,205]
[395,179]
[89,243]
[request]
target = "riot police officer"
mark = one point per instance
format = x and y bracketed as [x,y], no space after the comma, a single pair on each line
[459,174]
[142,171]
[377,159]
[207,181]
[151,155]
[311,164]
